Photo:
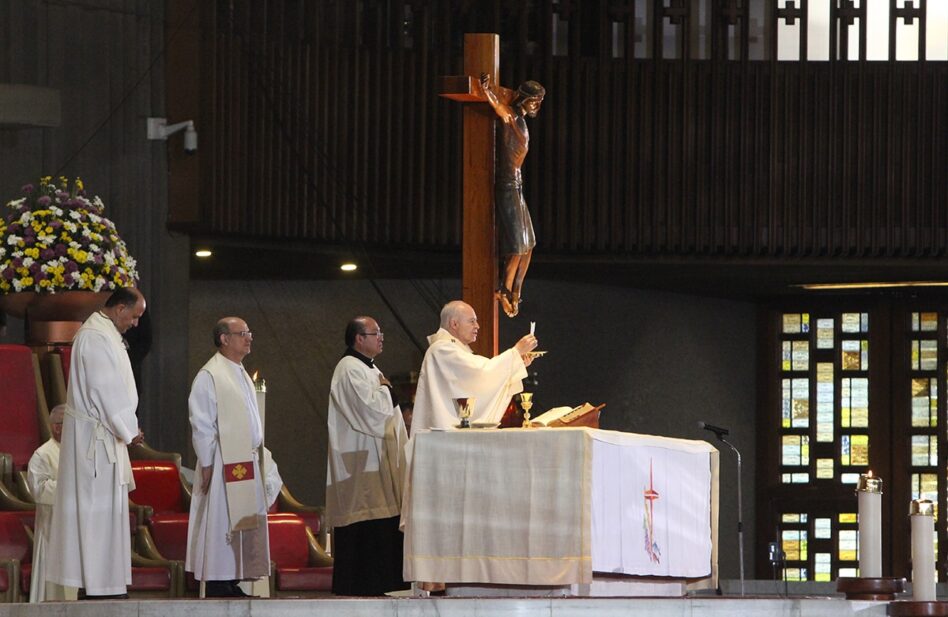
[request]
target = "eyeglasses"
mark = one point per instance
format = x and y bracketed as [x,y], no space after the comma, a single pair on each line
[378,334]
[242,333]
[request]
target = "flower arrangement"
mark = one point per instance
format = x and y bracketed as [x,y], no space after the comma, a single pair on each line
[56,239]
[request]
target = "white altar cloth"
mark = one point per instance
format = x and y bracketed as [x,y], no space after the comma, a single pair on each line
[553,506]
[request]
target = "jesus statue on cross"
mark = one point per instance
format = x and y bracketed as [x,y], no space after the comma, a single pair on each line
[517,239]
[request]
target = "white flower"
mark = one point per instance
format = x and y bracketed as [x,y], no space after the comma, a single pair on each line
[109,258]
[94,248]
[16,202]
[56,211]
[75,245]
[70,226]
[75,276]
[27,262]
[98,284]
[17,285]
[12,240]
[74,215]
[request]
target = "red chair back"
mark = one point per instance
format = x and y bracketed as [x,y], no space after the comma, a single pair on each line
[170,533]
[20,435]
[288,545]
[157,485]
[14,543]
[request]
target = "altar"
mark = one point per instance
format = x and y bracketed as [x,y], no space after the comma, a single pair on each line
[590,511]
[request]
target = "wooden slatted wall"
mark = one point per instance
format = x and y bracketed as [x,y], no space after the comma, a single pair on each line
[325,127]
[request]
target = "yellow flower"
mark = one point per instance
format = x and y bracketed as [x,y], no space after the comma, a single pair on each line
[32,252]
[63,182]
[26,281]
[79,184]
[44,283]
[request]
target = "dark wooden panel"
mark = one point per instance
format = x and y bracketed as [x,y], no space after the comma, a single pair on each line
[332,133]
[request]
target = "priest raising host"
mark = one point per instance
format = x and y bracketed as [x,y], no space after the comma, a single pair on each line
[450,370]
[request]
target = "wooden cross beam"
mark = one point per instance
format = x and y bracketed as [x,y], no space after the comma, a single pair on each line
[479,275]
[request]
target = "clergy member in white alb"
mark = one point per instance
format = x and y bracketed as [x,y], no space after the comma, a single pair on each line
[228,540]
[90,536]
[450,370]
[41,474]
[366,463]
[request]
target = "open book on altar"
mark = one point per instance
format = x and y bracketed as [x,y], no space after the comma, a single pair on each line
[583,415]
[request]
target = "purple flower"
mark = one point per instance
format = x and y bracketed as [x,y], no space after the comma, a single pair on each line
[17,262]
[14,228]
[35,268]
[44,201]
[47,254]
[39,275]
[56,224]
[70,267]
[60,250]
[98,259]
[27,188]
[8,274]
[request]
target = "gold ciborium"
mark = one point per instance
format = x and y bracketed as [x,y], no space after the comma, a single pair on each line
[464,407]
[526,402]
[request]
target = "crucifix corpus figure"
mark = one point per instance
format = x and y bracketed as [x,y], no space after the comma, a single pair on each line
[518,240]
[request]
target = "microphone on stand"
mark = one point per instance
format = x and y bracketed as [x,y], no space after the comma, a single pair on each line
[717,430]
[720,433]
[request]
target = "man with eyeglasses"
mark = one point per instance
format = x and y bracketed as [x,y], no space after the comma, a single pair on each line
[364,474]
[228,540]
[451,370]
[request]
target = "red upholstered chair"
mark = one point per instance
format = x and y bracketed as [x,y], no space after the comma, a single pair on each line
[16,553]
[152,574]
[299,567]
[158,484]
[168,533]
[22,407]
[312,515]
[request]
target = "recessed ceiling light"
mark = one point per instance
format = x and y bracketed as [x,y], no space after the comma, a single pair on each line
[203,253]
[348,267]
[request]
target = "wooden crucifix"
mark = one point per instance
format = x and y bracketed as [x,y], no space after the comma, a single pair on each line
[478,236]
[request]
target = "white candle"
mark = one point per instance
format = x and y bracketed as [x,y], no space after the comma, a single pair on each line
[533,327]
[261,390]
[869,490]
[923,550]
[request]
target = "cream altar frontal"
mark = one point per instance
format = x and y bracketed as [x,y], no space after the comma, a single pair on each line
[575,511]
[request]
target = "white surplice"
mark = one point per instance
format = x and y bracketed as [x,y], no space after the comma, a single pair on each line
[41,474]
[366,447]
[451,370]
[214,552]
[90,533]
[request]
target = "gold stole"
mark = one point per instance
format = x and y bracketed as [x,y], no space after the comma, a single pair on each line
[235,443]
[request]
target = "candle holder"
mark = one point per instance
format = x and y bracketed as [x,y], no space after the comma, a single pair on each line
[526,401]
[923,602]
[870,584]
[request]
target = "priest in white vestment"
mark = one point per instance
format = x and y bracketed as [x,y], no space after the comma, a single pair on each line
[90,530]
[228,541]
[41,474]
[365,471]
[450,370]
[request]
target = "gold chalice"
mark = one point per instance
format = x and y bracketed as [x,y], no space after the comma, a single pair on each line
[464,407]
[526,401]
